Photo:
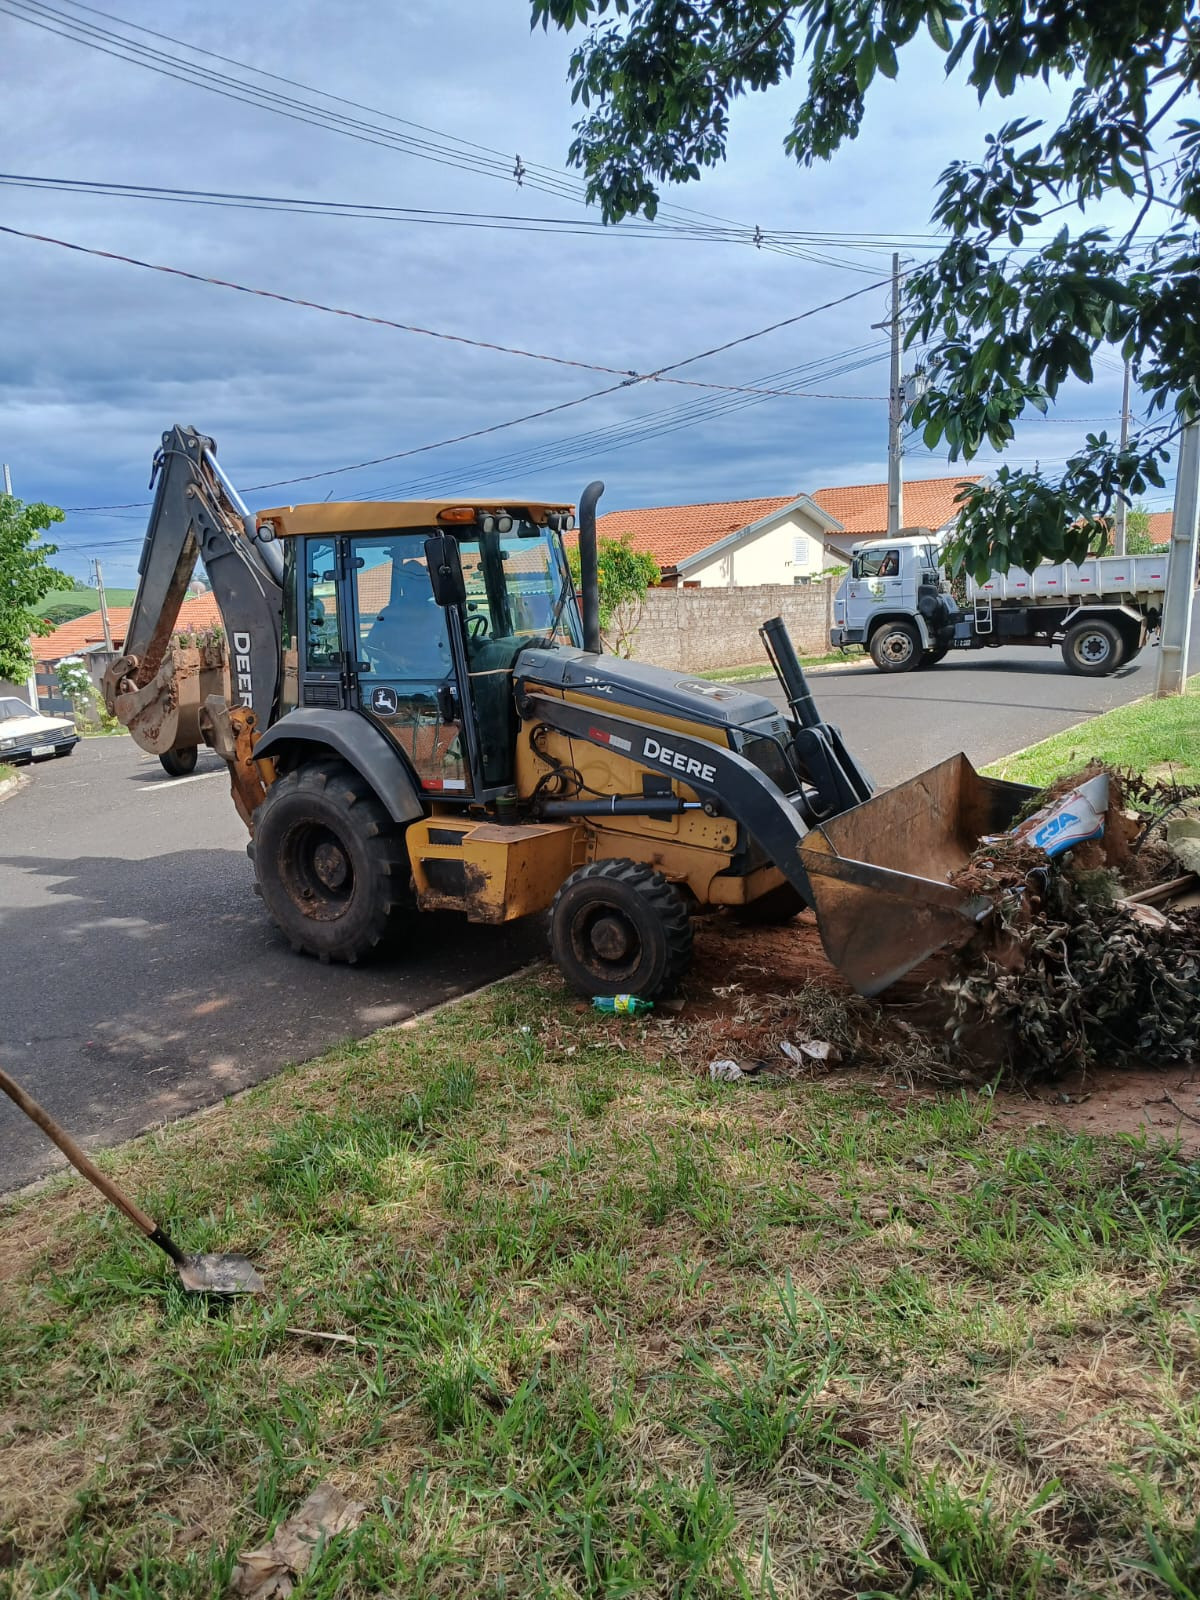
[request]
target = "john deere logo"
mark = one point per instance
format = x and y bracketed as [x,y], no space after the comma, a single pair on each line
[383,700]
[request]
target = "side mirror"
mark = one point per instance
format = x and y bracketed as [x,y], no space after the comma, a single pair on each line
[445,570]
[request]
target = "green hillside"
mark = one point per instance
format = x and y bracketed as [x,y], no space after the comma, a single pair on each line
[60,605]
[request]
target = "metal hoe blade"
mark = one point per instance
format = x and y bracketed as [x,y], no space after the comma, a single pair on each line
[225,1274]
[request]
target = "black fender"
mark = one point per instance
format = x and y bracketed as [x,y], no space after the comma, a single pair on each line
[360,743]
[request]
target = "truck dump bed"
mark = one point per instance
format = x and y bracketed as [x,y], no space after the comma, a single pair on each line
[1110,577]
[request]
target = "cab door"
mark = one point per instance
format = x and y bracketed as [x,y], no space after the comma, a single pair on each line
[404,677]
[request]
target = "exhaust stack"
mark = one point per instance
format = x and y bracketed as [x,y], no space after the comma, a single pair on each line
[589,572]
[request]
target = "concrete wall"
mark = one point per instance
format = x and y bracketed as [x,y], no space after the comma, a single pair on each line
[692,630]
[786,550]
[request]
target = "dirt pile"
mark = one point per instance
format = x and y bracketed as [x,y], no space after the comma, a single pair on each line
[1091,958]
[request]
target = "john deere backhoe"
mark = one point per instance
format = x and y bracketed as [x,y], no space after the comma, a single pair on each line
[421,718]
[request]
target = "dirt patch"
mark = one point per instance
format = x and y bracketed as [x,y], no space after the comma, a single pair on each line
[750,989]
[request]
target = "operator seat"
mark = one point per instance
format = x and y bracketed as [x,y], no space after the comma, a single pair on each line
[408,637]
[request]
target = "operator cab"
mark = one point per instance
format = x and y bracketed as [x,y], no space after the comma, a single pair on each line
[370,627]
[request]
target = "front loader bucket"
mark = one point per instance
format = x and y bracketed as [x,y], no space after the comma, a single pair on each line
[880,872]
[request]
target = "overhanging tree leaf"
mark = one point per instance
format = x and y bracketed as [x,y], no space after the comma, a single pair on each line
[1004,329]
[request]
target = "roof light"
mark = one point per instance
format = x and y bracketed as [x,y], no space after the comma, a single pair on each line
[457,514]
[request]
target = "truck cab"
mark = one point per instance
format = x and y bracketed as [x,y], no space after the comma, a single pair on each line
[895,602]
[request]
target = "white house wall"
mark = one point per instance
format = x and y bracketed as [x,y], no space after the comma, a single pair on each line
[767,557]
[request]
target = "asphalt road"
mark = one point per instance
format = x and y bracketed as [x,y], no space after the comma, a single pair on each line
[987,703]
[141,978]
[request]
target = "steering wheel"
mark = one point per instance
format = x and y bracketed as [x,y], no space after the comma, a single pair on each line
[477,627]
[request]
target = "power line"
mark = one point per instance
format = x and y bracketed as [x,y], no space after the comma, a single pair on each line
[628,376]
[497,427]
[444,149]
[367,211]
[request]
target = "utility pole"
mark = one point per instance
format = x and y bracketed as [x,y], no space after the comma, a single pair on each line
[895,411]
[7,479]
[108,644]
[1181,569]
[1122,506]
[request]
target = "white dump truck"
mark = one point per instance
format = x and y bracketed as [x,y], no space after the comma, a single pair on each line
[897,603]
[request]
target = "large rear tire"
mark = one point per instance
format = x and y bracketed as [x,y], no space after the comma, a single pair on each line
[618,927]
[1093,649]
[896,647]
[331,864]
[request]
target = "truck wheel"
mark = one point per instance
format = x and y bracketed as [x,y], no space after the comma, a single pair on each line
[618,927]
[932,657]
[895,647]
[178,763]
[331,864]
[1093,649]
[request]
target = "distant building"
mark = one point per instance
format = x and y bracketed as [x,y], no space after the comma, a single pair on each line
[84,637]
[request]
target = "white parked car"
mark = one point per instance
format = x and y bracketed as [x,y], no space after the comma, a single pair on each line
[27,735]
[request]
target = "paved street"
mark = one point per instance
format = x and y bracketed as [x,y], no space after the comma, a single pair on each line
[141,978]
[987,703]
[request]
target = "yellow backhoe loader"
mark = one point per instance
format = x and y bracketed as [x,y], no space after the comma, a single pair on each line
[420,717]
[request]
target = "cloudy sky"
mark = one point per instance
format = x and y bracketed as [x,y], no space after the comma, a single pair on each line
[98,357]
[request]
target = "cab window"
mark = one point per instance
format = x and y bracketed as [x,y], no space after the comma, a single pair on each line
[321,647]
[877,564]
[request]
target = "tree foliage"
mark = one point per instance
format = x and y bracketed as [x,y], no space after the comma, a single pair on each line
[1005,326]
[625,574]
[25,577]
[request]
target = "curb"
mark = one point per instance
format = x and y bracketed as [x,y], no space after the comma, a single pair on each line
[854,663]
[10,786]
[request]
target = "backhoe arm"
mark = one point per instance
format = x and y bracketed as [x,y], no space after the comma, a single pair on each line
[197,515]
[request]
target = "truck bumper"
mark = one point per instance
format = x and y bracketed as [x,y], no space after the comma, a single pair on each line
[839,638]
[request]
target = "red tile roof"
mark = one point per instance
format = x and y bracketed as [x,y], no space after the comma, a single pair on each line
[862,508]
[1161,524]
[202,612]
[674,533]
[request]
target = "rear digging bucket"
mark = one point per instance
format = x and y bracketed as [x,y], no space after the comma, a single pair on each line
[879,872]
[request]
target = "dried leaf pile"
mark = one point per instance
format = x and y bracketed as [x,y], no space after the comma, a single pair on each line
[1074,975]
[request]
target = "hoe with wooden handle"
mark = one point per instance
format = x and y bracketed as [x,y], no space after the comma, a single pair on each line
[199,1274]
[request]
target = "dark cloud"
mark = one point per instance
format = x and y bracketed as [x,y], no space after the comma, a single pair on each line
[97,357]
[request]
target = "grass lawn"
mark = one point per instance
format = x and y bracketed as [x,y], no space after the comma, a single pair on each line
[748,673]
[1158,737]
[609,1329]
[6,772]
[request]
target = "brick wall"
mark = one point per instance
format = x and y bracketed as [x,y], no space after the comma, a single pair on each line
[691,630]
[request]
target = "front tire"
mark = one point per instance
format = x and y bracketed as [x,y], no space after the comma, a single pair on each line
[331,864]
[895,647]
[932,657]
[1093,649]
[178,763]
[618,927]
